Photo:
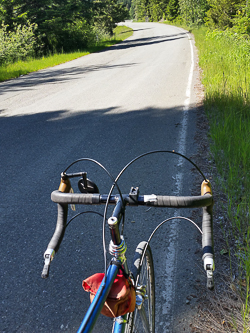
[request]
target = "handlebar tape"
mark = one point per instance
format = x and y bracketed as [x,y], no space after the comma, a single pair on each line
[63,199]
[181,202]
[207,236]
[149,200]
[207,222]
[75,198]
[60,227]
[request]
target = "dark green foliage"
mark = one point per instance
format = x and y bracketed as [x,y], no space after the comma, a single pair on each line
[172,10]
[17,44]
[139,10]
[152,10]
[224,14]
[108,13]
[70,25]
[66,25]
[127,3]
[217,14]
[221,13]
[193,12]
[156,9]
[241,23]
[148,10]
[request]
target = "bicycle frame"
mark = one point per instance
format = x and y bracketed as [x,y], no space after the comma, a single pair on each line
[118,248]
[98,302]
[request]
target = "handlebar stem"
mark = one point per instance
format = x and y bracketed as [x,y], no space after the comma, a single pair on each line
[113,223]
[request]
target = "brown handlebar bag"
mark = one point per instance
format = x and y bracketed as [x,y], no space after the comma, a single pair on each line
[121,298]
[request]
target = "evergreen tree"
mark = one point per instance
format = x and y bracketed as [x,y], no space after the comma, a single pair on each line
[126,3]
[221,13]
[156,9]
[193,11]
[108,13]
[172,10]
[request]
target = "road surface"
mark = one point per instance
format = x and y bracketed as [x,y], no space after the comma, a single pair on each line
[111,106]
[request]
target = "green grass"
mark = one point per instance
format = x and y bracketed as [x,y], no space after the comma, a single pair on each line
[225,61]
[16,69]
[178,23]
[24,67]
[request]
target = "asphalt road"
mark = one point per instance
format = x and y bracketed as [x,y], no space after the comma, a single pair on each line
[111,106]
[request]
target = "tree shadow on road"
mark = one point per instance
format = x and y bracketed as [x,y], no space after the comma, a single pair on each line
[34,150]
[57,74]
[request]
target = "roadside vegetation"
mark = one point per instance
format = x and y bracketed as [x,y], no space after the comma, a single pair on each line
[225,59]
[61,25]
[42,33]
[13,69]
[222,35]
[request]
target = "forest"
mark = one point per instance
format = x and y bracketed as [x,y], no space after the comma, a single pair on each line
[216,14]
[41,27]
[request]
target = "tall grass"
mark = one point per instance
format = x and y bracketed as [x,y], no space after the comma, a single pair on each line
[225,61]
[19,68]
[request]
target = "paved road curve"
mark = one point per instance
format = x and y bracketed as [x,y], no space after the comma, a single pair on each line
[112,105]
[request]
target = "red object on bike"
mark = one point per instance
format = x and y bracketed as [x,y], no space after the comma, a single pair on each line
[121,298]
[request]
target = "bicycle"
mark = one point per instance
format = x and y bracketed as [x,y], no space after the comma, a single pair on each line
[135,309]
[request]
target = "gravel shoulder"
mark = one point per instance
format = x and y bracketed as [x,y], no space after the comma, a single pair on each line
[214,309]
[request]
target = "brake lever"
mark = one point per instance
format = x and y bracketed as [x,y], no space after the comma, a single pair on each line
[210,280]
[209,268]
[48,257]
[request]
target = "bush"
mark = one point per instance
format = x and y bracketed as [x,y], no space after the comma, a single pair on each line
[17,44]
[68,37]
[241,24]
[221,13]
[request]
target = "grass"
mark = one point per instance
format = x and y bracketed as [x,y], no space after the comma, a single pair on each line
[32,65]
[19,68]
[225,62]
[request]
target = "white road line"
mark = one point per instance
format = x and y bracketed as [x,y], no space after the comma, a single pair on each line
[183,132]
[169,292]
